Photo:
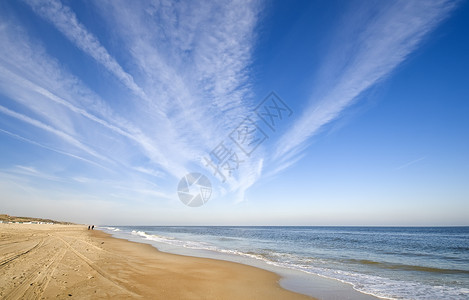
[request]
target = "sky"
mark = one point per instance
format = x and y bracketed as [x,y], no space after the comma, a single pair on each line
[294,112]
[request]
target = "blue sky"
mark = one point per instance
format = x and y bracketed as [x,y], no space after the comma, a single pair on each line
[106,105]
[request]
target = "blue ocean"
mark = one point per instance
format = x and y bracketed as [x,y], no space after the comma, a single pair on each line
[387,262]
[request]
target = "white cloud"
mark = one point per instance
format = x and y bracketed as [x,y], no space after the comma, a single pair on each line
[62,135]
[187,67]
[193,59]
[18,137]
[410,163]
[192,77]
[65,20]
[373,44]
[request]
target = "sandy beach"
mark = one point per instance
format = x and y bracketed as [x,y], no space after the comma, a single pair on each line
[68,261]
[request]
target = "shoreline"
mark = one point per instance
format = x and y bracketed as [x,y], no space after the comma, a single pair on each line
[311,285]
[67,261]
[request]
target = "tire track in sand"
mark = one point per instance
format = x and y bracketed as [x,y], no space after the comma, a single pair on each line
[8,259]
[103,274]
[42,280]
[29,287]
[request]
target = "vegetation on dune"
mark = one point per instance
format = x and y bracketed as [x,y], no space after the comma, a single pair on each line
[8,218]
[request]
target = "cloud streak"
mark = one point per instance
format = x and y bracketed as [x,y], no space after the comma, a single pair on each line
[186,80]
[192,86]
[194,69]
[65,20]
[62,135]
[410,163]
[50,148]
[374,44]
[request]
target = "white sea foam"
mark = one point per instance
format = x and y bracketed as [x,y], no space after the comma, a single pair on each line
[388,288]
[111,228]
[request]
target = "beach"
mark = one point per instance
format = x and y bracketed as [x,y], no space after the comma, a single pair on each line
[330,262]
[42,261]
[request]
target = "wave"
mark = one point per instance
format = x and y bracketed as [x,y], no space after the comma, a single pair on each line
[392,289]
[404,267]
[193,245]
[152,236]
[111,228]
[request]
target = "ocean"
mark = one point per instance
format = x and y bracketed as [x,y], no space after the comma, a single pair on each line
[387,262]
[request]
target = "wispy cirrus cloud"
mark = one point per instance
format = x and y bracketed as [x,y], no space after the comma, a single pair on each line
[410,163]
[68,138]
[195,68]
[65,20]
[187,67]
[370,44]
[35,143]
[188,87]
[195,65]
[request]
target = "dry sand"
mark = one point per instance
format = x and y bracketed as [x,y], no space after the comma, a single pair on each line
[68,261]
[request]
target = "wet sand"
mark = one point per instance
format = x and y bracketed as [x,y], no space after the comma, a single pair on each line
[68,261]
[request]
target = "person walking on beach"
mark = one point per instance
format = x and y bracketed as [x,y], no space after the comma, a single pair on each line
[88,227]
[92,227]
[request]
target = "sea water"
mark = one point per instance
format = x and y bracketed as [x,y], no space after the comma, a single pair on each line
[388,262]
